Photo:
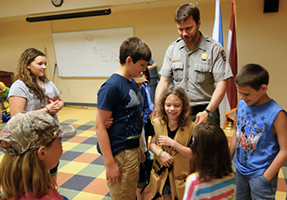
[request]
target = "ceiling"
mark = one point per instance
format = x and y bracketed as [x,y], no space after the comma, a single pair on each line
[18,8]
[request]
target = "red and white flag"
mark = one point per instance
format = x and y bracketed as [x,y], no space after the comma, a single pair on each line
[232,58]
[230,98]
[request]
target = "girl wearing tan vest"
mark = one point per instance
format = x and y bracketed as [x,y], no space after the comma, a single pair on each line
[171,145]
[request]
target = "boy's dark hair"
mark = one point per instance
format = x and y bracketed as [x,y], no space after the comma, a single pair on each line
[210,152]
[252,75]
[184,11]
[136,49]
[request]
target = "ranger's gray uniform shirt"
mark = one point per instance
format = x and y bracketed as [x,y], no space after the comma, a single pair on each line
[197,70]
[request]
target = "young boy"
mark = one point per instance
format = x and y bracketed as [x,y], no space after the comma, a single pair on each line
[260,140]
[119,97]
[143,191]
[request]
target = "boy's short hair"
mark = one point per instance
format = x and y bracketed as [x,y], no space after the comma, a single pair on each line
[186,10]
[136,49]
[252,75]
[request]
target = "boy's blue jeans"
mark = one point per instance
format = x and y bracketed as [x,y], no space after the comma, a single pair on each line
[255,188]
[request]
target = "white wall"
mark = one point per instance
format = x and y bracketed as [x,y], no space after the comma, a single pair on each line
[260,39]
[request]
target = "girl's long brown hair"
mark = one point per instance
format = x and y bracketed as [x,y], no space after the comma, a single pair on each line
[25,173]
[25,75]
[210,152]
[178,91]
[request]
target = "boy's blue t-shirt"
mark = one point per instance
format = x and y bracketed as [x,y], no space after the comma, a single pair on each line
[148,93]
[123,98]
[256,144]
[146,110]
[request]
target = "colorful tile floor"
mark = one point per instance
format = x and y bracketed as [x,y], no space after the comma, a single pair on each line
[81,173]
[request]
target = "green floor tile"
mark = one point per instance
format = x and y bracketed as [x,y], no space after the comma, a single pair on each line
[92,170]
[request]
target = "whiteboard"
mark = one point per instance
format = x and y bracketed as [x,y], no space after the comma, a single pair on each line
[88,54]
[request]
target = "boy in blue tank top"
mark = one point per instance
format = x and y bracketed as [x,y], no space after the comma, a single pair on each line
[119,98]
[259,145]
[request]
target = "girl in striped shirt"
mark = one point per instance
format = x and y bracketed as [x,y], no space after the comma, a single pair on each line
[213,177]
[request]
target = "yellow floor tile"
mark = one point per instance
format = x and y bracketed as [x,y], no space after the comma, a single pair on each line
[280,174]
[88,196]
[87,134]
[92,150]
[69,145]
[280,195]
[73,167]
[82,115]
[102,175]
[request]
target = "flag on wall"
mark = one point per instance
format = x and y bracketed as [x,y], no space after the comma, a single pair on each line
[217,28]
[230,98]
[232,58]
[218,36]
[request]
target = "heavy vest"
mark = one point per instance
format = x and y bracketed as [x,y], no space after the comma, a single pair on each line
[181,165]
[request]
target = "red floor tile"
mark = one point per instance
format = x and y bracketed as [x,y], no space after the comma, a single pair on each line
[77,139]
[63,177]
[98,186]
[281,185]
[92,128]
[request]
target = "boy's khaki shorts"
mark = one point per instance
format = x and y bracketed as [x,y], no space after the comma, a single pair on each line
[128,162]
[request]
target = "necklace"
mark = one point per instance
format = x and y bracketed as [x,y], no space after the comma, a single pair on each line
[40,83]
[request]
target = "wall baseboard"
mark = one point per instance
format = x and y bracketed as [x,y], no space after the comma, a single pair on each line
[80,104]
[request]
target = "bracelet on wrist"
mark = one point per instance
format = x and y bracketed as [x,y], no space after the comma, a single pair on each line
[48,111]
[159,153]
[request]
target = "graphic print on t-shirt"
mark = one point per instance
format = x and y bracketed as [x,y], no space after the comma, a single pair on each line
[248,133]
[136,99]
[134,119]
